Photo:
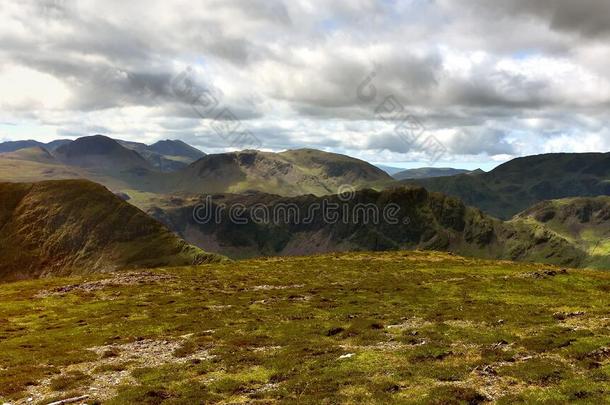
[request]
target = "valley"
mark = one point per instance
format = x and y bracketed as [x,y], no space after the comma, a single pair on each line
[423,221]
[306,177]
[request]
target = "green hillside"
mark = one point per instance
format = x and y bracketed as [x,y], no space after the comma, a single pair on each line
[358,328]
[76,226]
[33,154]
[520,183]
[584,221]
[428,172]
[290,173]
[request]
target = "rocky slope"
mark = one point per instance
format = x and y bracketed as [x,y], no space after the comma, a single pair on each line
[76,226]
[424,220]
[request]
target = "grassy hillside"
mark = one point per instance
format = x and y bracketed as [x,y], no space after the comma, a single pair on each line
[358,328]
[290,173]
[33,154]
[425,221]
[585,222]
[428,172]
[523,182]
[15,167]
[63,227]
[13,146]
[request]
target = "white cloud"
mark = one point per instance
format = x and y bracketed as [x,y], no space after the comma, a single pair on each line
[488,81]
[25,89]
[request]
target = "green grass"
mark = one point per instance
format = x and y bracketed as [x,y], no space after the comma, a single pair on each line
[582,221]
[401,327]
[69,381]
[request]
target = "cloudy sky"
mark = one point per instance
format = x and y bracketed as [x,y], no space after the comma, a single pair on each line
[487,81]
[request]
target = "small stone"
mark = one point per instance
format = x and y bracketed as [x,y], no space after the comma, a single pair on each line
[347,356]
[334,331]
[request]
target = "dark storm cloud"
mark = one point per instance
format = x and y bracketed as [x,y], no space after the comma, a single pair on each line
[474,142]
[588,18]
[497,89]
[389,141]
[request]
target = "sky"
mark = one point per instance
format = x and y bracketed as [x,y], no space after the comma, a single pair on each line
[407,83]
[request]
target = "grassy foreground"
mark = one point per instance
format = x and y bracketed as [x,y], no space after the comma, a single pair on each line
[418,327]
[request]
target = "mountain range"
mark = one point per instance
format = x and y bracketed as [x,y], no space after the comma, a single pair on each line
[167,155]
[430,172]
[516,185]
[12,146]
[130,168]
[143,173]
[425,221]
[457,214]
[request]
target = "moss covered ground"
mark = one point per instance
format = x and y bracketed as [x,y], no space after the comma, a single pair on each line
[355,328]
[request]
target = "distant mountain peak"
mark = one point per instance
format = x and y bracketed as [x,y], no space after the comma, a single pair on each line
[176,147]
[100,151]
[428,172]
